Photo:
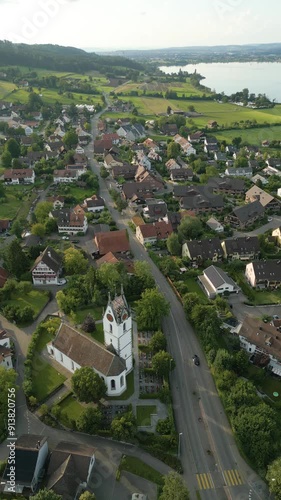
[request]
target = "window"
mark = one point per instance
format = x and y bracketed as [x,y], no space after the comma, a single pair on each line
[61,357]
[124,327]
[112,384]
[72,365]
[122,381]
[110,328]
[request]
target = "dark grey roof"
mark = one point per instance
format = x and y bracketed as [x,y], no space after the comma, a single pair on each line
[227,183]
[267,270]
[31,241]
[50,258]
[240,171]
[207,249]
[248,211]
[139,189]
[26,455]
[218,277]
[156,208]
[242,245]
[193,197]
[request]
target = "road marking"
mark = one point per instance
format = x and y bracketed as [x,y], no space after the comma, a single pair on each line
[205,481]
[232,477]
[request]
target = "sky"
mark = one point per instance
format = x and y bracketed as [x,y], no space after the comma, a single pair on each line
[133,24]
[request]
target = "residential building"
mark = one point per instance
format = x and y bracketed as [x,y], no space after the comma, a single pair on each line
[6,351]
[31,453]
[137,191]
[102,145]
[200,250]
[115,258]
[143,175]
[132,132]
[215,281]
[19,176]
[112,241]
[239,172]
[263,342]
[151,233]
[227,185]
[215,225]
[276,233]
[57,201]
[246,215]
[154,209]
[218,156]
[69,469]
[111,161]
[267,201]
[5,225]
[172,164]
[196,137]
[186,146]
[68,175]
[94,204]
[127,171]
[242,248]
[181,174]
[70,221]
[259,177]
[47,268]
[264,273]
[199,199]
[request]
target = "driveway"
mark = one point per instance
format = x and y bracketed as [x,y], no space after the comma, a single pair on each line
[273,224]
[241,310]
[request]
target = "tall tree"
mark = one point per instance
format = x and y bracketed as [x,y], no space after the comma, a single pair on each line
[15,259]
[6,159]
[46,495]
[70,139]
[87,385]
[173,149]
[124,426]
[174,488]
[42,210]
[151,309]
[90,420]
[162,363]
[273,478]
[190,228]
[13,147]
[173,244]
[74,261]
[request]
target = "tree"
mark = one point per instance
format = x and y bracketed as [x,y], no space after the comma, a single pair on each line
[223,360]
[173,244]
[190,228]
[87,385]
[42,210]
[112,275]
[143,274]
[162,363]
[124,426]
[151,309]
[273,478]
[15,259]
[158,342]
[104,173]
[13,147]
[70,139]
[6,159]
[87,496]
[236,141]
[189,301]
[88,324]
[38,229]
[174,488]
[90,420]
[173,150]
[74,261]
[17,228]
[7,381]
[46,495]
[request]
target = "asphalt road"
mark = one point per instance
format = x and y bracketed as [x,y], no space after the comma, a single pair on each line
[211,461]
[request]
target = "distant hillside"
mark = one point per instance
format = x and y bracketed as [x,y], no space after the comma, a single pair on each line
[58,58]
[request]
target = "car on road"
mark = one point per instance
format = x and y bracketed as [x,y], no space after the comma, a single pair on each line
[196,360]
[269,219]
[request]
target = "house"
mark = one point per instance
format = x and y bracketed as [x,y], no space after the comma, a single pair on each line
[70,221]
[127,171]
[137,191]
[263,342]
[218,156]
[154,209]
[172,164]
[112,241]
[196,137]
[151,144]
[245,215]
[68,175]
[227,185]
[267,201]
[169,129]
[215,225]
[6,351]
[31,241]
[174,218]
[215,281]
[230,149]
[181,174]
[186,146]
[115,258]
[239,172]
[200,250]
[19,176]
[151,233]
[3,276]
[273,162]
[259,177]
[94,204]
[112,361]
[57,201]
[110,161]
[47,268]
[5,224]
[242,248]
[210,141]
[211,149]
[113,137]
[143,160]
[199,199]
[102,145]
[143,175]
[264,273]
[132,132]
[69,469]
[30,457]
[276,233]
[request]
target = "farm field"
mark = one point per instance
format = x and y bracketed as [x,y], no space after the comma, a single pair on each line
[253,136]
[50,96]
[17,202]
[181,88]
[6,88]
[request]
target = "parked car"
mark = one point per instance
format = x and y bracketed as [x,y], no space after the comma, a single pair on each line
[196,360]
[61,281]
[65,237]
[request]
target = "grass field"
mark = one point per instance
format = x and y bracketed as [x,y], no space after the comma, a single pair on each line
[50,96]
[268,384]
[140,468]
[144,414]
[181,88]
[45,378]
[6,88]
[37,299]
[252,136]
[77,192]
[46,336]
[71,409]
[193,287]
[17,202]
[80,315]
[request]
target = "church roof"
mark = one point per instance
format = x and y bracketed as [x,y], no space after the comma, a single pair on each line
[119,306]
[88,352]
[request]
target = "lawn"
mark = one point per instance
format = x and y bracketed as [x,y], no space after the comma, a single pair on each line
[76,192]
[129,391]
[268,384]
[95,311]
[267,297]
[17,202]
[71,409]
[252,136]
[144,414]
[6,88]
[50,96]
[140,468]
[37,299]
[46,336]
[193,287]
[45,378]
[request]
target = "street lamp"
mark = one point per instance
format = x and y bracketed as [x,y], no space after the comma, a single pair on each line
[179,445]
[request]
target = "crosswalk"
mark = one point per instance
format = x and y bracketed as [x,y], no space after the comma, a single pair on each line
[232,477]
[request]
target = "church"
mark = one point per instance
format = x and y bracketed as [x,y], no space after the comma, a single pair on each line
[112,361]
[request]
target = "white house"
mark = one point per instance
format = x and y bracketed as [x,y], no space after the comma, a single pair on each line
[5,351]
[19,176]
[47,268]
[264,273]
[70,221]
[215,225]
[94,204]
[31,453]
[239,172]
[215,282]
[186,146]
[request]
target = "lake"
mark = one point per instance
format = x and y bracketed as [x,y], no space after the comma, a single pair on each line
[259,78]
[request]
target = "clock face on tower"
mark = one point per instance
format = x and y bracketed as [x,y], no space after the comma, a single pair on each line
[125,316]
[109,317]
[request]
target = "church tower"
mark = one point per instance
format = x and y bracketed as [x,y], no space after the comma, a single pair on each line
[117,327]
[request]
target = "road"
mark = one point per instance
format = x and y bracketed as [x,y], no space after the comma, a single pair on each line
[211,461]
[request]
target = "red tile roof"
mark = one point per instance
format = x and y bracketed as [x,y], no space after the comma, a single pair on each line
[112,241]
